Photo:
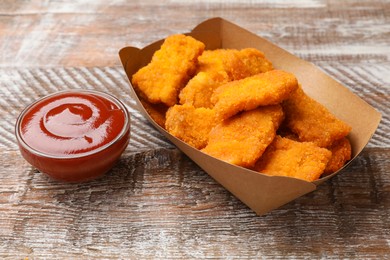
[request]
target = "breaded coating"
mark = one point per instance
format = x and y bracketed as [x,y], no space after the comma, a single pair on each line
[169,70]
[220,66]
[255,61]
[200,88]
[341,153]
[283,131]
[237,64]
[225,61]
[269,88]
[285,157]
[191,125]
[156,111]
[311,121]
[242,139]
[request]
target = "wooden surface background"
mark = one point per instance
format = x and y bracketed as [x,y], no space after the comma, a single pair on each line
[156,203]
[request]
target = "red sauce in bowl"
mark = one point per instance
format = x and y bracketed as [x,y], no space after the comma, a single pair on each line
[73,135]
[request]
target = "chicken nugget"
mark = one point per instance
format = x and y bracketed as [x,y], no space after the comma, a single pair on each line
[169,70]
[223,61]
[200,88]
[285,157]
[311,121]
[242,139]
[220,66]
[156,111]
[191,125]
[237,64]
[341,153]
[255,61]
[268,88]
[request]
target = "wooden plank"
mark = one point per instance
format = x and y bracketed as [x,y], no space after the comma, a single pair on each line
[355,31]
[159,204]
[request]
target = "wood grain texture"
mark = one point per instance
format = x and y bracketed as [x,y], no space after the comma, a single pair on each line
[156,203]
[90,33]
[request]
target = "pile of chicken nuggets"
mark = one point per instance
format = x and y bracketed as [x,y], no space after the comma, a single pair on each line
[233,105]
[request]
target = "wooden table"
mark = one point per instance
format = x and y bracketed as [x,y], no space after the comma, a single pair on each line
[156,203]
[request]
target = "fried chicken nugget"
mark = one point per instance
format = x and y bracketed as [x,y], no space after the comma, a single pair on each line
[237,64]
[311,121]
[169,70]
[225,61]
[156,111]
[268,88]
[341,153]
[255,61]
[220,66]
[200,88]
[285,157]
[242,139]
[191,125]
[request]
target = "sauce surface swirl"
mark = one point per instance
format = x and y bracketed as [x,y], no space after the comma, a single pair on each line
[71,123]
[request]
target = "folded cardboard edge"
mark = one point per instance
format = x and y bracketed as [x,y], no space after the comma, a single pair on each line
[254,197]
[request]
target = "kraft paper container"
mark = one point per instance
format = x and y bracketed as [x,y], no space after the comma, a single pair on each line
[260,192]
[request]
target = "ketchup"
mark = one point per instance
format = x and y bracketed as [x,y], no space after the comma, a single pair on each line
[71,123]
[75,135]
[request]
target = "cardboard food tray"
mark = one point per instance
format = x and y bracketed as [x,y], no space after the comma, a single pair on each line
[260,192]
